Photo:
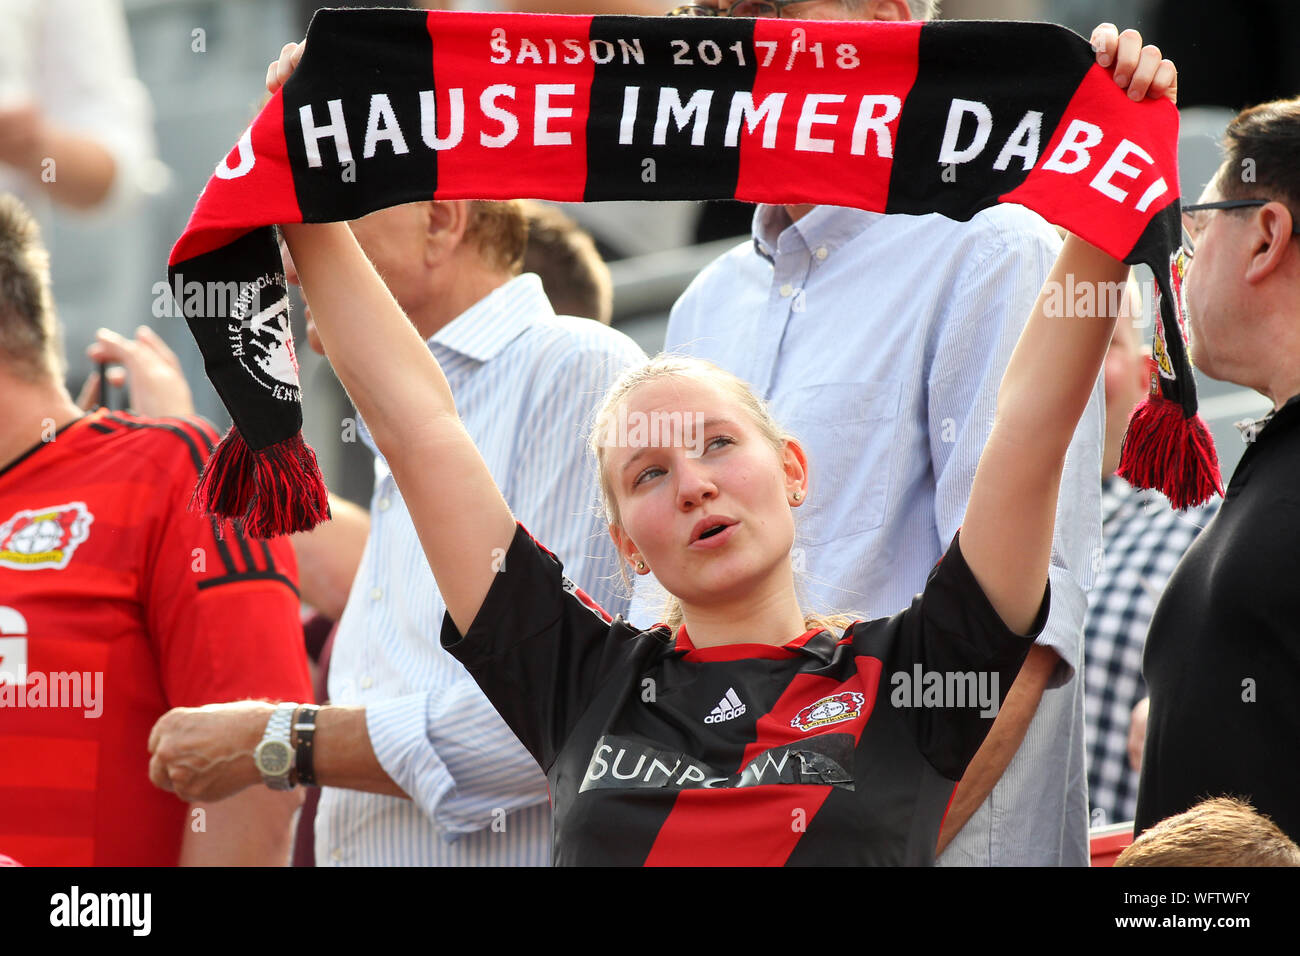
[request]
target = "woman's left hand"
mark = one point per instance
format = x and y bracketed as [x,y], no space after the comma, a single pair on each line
[1139,70]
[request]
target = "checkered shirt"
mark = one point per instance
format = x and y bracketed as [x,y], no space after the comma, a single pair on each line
[1144,538]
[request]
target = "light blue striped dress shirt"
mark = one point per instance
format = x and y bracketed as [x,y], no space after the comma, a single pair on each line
[526,383]
[880,342]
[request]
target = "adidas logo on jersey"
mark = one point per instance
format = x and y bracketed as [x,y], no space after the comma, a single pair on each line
[729,707]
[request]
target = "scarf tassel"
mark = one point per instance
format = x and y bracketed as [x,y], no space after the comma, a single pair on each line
[273,491]
[1165,450]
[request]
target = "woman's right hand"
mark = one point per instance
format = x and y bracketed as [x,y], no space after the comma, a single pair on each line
[280,70]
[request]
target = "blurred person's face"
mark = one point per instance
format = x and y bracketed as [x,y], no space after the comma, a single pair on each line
[895,10]
[394,240]
[802,9]
[1127,379]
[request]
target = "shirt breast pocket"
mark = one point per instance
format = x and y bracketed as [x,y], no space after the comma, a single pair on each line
[847,430]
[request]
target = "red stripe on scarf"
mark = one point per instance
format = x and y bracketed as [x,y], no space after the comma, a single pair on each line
[1073,201]
[496,48]
[265,193]
[838,177]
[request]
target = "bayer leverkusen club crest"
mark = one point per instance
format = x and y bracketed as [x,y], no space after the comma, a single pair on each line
[261,339]
[44,538]
[829,710]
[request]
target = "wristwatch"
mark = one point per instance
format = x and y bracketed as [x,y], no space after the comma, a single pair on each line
[304,732]
[274,755]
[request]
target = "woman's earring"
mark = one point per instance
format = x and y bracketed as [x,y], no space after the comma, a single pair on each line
[640,566]
[798,496]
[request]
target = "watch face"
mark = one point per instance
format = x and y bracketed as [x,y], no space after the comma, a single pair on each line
[273,758]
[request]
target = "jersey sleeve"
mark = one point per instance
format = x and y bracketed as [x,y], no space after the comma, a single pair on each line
[538,647]
[222,610]
[953,662]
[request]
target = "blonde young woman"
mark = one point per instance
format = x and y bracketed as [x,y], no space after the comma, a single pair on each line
[750,732]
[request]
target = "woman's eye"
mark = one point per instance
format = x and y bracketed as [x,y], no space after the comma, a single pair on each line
[646,475]
[655,471]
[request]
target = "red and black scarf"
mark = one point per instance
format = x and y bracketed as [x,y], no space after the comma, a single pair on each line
[393,106]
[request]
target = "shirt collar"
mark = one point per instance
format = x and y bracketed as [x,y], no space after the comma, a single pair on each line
[817,643]
[827,227]
[496,320]
[97,416]
[1251,429]
[486,327]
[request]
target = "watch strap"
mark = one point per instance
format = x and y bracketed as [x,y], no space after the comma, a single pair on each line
[304,734]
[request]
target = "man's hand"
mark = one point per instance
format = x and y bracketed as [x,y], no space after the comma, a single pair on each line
[1138,69]
[1137,733]
[29,143]
[145,363]
[206,753]
[22,138]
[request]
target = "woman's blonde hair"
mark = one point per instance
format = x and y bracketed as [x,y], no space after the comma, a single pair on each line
[684,367]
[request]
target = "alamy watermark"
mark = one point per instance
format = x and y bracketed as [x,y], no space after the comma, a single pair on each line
[655,430]
[946,689]
[61,689]
[75,908]
[181,298]
[1092,300]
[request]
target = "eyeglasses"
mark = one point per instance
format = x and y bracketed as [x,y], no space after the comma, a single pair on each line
[1193,225]
[745,8]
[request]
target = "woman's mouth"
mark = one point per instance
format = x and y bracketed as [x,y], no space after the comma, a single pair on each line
[712,532]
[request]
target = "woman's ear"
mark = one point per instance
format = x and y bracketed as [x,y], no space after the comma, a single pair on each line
[795,463]
[626,549]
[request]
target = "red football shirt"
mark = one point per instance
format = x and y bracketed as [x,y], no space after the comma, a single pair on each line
[117,604]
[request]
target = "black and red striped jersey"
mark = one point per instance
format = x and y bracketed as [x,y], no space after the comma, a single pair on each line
[831,749]
[117,603]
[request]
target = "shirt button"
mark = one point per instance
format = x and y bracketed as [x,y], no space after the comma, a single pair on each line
[336,855]
[367,683]
[787,290]
[385,504]
[821,252]
[376,593]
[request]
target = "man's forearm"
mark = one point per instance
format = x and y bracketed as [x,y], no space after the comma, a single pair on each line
[84,170]
[252,828]
[343,756]
[1004,739]
[206,753]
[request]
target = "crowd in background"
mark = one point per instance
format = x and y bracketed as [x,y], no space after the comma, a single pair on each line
[79,146]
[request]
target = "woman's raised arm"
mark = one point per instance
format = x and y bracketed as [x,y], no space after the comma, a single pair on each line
[1006,537]
[400,391]
[397,386]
